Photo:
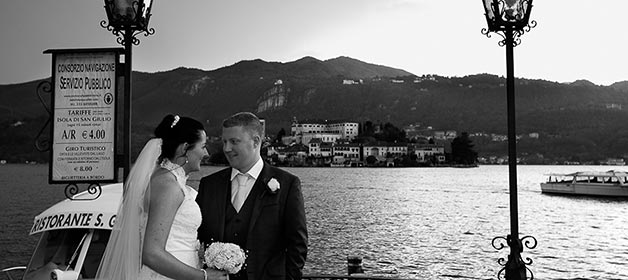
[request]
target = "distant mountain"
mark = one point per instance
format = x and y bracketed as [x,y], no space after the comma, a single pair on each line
[350,67]
[577,120]
[620,86]
[583,83]
[311,67]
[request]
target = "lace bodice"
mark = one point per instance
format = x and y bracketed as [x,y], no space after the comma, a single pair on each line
[182,240]
[183,233]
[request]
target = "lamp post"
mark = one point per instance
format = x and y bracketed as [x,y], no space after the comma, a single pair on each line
[127,19]
[510,19]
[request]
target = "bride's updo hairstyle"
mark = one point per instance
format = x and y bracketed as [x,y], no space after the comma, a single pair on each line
[174,131]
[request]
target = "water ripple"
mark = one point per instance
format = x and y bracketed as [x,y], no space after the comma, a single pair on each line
[420,223]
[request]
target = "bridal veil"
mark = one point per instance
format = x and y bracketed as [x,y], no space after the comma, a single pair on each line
[122,258]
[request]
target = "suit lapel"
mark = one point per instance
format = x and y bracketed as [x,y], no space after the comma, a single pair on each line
[222,196]
[261,183]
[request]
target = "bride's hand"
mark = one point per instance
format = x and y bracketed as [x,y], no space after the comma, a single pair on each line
[201,252]
[214,274]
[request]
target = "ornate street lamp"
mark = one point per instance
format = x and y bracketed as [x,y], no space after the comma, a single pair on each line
[510,19]
[128,14]
[127,19]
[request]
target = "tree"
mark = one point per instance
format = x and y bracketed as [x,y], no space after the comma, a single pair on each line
[370,160]
[391,133]
[274,158]
[280,135]
[409,160]
[462,151]
[368,129]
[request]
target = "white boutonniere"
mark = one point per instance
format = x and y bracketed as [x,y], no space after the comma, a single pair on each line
[273,185]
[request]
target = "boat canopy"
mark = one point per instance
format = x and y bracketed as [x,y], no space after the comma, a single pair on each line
[99,213]
[610,173]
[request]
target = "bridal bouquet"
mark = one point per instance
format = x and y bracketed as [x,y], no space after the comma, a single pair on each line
[225,256]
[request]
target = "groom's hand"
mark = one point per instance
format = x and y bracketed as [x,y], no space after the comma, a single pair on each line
[214,274]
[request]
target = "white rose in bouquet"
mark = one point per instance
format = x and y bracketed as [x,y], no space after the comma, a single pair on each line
[228,257]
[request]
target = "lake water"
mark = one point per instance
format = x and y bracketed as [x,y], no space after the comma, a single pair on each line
[420,223]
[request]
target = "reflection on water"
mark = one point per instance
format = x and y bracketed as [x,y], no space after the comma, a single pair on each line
[429,223]
[423,223]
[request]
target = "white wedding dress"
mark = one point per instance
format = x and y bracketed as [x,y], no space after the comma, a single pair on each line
[182,241]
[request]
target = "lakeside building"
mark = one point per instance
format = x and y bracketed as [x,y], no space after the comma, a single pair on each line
[328,131]
[320,153]
[346,152]
[445,135]
[308,137]
[298,150]
[318,148]
[425,152]
[277,150]
[382,151]
[416,131]
[329,142]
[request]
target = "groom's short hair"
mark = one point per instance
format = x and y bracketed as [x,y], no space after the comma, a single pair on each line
[248,120]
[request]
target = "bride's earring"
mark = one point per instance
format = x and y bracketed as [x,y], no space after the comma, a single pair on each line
[185,155]
[185,162]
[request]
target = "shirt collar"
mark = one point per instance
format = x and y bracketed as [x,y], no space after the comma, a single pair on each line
[253,172]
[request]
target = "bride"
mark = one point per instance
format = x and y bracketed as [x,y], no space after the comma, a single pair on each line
[155,234]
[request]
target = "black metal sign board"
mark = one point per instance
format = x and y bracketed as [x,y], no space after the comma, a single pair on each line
[84,84]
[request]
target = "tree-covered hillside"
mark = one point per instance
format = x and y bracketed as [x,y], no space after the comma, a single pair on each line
[573,121]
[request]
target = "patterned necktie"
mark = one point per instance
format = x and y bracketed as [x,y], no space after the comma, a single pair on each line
[238,199]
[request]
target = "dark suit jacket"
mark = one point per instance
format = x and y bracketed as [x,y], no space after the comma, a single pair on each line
[277,235]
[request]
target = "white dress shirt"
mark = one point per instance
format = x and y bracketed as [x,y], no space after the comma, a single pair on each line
[242,192]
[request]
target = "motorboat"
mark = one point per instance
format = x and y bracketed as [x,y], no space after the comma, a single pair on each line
[74,233]
[609,183]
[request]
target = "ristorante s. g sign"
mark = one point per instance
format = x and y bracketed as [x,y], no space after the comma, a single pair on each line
[97,220]
[84,115]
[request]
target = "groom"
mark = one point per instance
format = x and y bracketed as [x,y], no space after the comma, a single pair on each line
[254,205]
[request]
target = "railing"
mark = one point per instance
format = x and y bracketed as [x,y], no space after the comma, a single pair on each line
[8,271]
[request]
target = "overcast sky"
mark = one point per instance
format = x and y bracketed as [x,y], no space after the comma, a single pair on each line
[574,39]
